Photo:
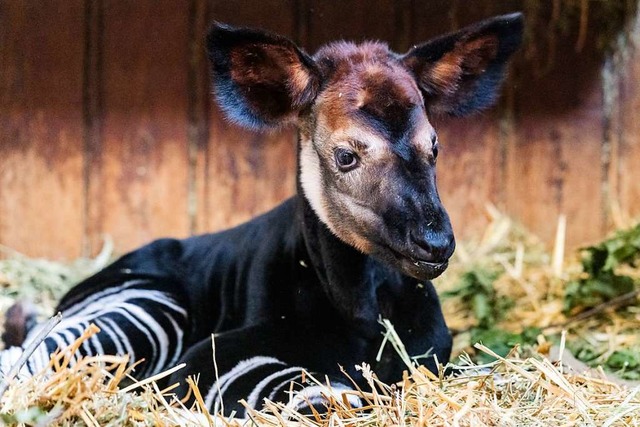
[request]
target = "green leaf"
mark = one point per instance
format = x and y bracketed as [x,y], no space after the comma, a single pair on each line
[501,341]
[475,290]
[481,309]
[599,262]
[623,359]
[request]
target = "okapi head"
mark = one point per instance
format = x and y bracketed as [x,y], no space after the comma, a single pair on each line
[367,151]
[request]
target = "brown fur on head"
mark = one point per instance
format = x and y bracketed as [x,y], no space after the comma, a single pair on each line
[367,148]
[369,103]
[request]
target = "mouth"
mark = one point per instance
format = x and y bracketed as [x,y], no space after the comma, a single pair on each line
[425,270]
[415,267]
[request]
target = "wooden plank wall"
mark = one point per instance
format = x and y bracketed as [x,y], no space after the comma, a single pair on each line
[41,127]
[106,126]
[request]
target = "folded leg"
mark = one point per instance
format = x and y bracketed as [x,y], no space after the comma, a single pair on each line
[267,362]
[142,316]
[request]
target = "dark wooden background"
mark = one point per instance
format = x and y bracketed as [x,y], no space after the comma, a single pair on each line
[106,126]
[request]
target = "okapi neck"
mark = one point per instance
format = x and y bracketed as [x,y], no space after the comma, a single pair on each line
[347,276]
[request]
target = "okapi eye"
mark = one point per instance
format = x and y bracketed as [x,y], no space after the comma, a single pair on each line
[434,146]
[346,159]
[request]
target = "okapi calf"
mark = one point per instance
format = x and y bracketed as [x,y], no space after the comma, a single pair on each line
[304,285]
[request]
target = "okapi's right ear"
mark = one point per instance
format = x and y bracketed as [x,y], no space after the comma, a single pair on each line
[260,80]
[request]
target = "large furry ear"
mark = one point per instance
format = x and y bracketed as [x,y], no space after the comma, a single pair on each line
[260,80]
[461,72]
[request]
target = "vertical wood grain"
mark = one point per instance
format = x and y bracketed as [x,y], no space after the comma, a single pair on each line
[554,159]
[107,124]
[199,116]
[140,190]
[355,20]
[93,115]
[627,157]
[41,174]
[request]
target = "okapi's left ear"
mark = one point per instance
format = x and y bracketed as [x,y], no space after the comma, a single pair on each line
[460,73]
[261,80]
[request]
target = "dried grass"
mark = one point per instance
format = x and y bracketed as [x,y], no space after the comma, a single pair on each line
[43,282]
[88,392]
[528,387]
[535,281]
[522,389]
[518,390]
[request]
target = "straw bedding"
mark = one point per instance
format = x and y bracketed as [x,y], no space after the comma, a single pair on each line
[530,316]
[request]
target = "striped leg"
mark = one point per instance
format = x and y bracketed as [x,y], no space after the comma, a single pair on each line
[263,377]
[142,317]
[267,362]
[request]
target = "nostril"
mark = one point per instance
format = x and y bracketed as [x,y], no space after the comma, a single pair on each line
[434,248]
[451,247]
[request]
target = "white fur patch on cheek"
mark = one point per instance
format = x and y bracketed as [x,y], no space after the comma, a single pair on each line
[311,180]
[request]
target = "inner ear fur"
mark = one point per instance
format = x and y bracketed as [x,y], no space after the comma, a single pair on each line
[461,72]
[261,80]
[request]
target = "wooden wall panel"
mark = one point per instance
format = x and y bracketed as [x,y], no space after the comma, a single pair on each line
[107,126]
[138,188]
[627,158]
[199,117]
[554,153]
[247,173]
[356,20]
[469,170]
[41,169]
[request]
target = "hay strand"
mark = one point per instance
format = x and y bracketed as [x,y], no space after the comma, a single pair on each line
[28,351]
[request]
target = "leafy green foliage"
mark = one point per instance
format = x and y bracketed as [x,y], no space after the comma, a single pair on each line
[475,289]
[625,362]
[501,341]
[31,416]
[600,281]
[584,351]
